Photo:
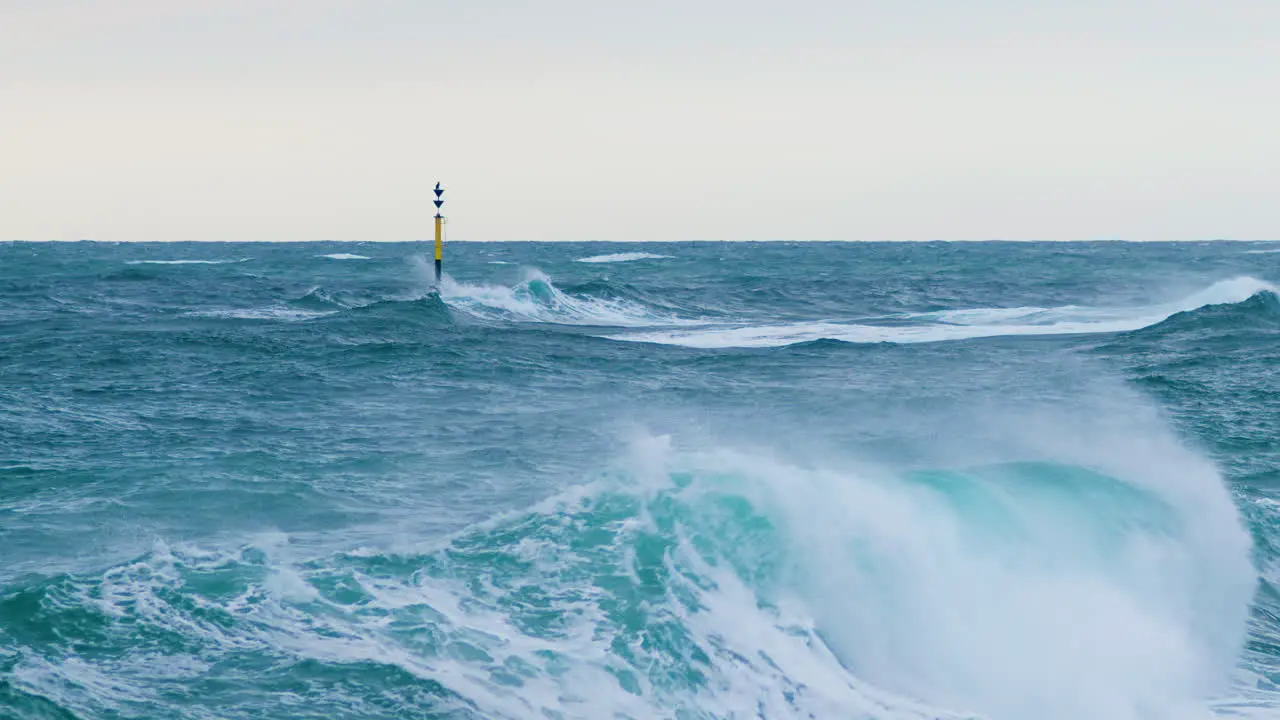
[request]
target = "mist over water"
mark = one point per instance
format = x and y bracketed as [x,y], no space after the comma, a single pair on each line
[696,480]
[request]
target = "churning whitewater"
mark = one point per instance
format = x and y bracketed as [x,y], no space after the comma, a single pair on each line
[584,480]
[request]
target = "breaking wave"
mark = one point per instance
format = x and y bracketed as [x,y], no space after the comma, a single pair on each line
[600,304]
[711,585]
[537,299]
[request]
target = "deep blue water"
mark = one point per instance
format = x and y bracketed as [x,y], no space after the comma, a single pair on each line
[1017,481]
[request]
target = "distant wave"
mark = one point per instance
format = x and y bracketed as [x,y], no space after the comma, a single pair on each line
[1261,252]
[621,257]
[344,256]
[960,324]
[186,262]
[317,299]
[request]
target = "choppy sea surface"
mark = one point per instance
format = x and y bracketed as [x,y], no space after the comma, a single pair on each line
[1011,481]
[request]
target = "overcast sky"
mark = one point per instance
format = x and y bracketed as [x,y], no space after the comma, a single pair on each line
[660,120]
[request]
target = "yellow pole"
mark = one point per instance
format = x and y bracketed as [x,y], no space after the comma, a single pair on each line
[439,201]
[439,245]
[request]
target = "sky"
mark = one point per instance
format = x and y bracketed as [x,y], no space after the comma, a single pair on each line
[663,120]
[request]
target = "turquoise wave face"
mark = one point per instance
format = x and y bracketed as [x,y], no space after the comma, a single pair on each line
[693,480]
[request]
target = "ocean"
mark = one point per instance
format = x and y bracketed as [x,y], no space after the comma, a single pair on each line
[889,481]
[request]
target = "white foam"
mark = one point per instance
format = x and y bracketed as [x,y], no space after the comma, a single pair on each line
[962,324]
[622,257]
[537,299]
[186,262]
[1260,252]
[77,684]
[344,256]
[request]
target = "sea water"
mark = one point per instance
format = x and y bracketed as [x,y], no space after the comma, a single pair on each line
[1015,481]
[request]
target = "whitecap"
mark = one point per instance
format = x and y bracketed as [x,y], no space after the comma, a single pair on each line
[267,313]
[622,257]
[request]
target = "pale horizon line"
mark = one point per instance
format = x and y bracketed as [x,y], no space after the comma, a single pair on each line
[653,242]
